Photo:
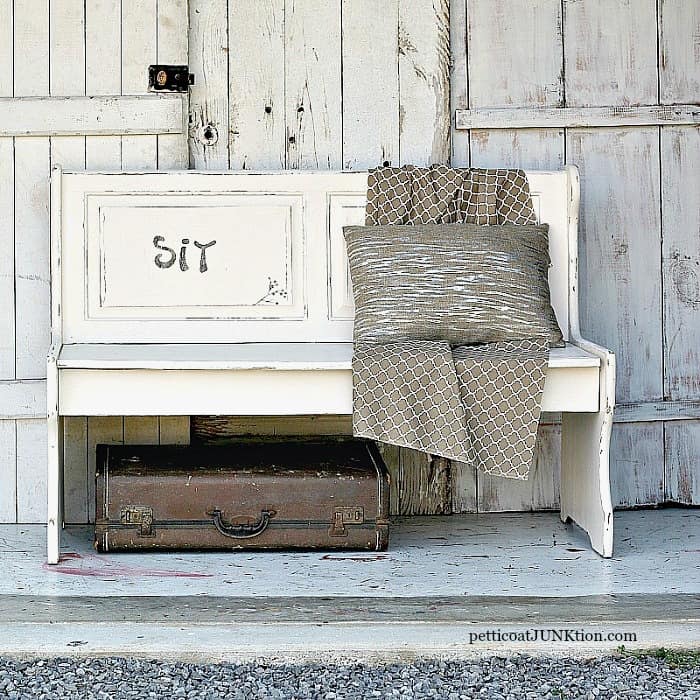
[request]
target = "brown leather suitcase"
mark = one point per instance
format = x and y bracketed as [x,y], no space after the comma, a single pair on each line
[275,494]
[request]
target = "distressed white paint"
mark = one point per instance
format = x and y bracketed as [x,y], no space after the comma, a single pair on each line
[95,115]
[8,472]
[572,117]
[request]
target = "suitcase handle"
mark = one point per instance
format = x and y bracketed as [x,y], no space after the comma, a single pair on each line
[241,532]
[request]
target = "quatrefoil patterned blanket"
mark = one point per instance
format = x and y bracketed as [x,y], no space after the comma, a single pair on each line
[478,404]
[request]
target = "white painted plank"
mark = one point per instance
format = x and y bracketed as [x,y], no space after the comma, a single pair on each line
[75,465]
[610,52]
[515,53]
[101,430]
[679,55]
[103,41]
[256,84]
[636,464]
[539,492]
[172,45]
[531,149]
[45,116]
[459,79]
[8,472]
[370,83]
[31,471]
[619,246]
[139,50]
[682,443]
[31,77]
[680,197]
[425,484]
[424,72]
[209,95]
[7,203]
[23,399]
[313,99]
[572,117]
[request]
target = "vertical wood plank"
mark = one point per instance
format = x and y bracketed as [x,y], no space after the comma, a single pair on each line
[515,53]
[171,43]
[424,76]
[257,119]
[680,169]
[67,77]
[103,48]
[32,448]
[75,469]
[174,430]
[108,430]
[7,203]
[610,52]
[209,48]
[679,55]
[31,77]
[370,83]
[619,247]
[138,51]
[682,447]
[424,484]
[313,85]
[459,80]
[8,472]
[539,492]
[141,430]
[636,464]
[535,149]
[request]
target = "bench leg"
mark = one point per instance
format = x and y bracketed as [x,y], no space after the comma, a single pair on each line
[585,465]
[55,468]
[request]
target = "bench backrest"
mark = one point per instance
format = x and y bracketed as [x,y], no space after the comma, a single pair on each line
[233,257]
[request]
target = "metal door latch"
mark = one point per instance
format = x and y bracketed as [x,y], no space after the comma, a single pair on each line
[354,515]
[140,517]
[162,78]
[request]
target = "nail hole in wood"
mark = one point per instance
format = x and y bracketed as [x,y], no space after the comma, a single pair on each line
[386,163]
[268,109]
[292,139]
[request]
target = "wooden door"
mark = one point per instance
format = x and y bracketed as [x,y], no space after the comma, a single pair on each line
[53,57]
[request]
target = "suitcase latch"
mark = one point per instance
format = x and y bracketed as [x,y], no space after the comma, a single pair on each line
[140,517]
[354,515]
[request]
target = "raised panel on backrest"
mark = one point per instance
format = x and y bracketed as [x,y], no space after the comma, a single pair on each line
[228,257]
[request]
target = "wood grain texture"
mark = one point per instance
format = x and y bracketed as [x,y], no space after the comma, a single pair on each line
[459,79]
[680,168]
[8,472]
[636,464]
[370,83]
[539,492]
[610,52]
[101,429]
[534,149]
[507,64]
[213,428]
[209,95]
[679,52]
[619,246]
[7,204]
[313,99]
[32,449]
[424,70]
[682,448]
[257,120]
[424,484]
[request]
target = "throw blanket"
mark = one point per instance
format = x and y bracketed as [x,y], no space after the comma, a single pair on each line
[475,404]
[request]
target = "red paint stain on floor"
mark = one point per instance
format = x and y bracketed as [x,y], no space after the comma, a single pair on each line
[74,564]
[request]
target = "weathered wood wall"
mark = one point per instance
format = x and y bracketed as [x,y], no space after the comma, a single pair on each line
[355,83]
[640,251]
[66,48]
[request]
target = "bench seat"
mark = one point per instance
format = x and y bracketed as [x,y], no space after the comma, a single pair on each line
[255,379]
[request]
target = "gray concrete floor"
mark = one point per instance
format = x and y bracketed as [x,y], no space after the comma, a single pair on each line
[452,586]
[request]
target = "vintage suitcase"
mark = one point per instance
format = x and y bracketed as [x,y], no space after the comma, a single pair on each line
[270,494]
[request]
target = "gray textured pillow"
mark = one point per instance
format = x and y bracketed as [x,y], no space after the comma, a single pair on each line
[462,283]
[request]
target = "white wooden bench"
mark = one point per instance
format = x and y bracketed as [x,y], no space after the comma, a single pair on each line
[260,322]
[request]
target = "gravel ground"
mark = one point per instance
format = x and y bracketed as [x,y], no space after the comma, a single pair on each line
[514,677]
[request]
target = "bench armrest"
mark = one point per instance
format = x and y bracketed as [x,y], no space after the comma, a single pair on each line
[607,369]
